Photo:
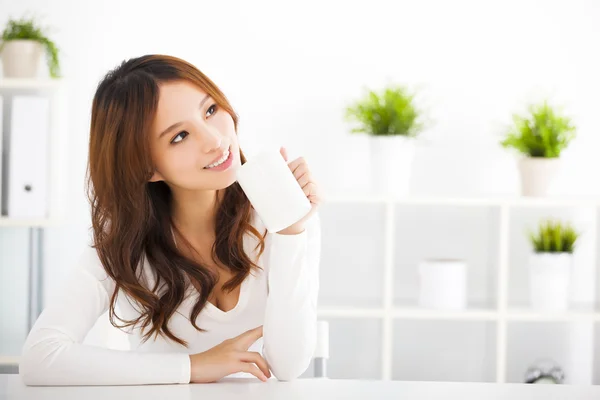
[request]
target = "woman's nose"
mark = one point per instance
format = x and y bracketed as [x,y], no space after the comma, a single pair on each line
[210,138]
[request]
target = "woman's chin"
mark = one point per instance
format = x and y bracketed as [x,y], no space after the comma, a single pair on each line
[223,180]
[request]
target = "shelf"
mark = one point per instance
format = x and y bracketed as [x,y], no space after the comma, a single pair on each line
[30,84]
[26,222]
[475,314]
[559,316]
[350,312]
[431,314]
[469,201]
[9,360]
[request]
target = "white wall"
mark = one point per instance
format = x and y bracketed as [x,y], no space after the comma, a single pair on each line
[291,68]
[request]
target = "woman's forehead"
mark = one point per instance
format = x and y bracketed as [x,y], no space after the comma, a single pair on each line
[177,102]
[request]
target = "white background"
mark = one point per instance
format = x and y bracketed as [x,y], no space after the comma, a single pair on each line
[290,68]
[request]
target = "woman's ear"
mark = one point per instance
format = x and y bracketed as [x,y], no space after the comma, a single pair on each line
[156,177]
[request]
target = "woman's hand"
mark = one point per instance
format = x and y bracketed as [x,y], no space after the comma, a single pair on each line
[302,173]
[229,357]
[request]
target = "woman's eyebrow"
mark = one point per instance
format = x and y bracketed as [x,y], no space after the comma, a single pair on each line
[176,124]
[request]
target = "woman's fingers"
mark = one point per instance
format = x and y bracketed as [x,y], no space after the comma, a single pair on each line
[297,163]
[284,153]
[252,369]
[305,178]
[310,189]
[247,338]
[256,358]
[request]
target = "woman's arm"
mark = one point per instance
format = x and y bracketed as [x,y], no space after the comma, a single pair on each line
[291,315]
[53,353]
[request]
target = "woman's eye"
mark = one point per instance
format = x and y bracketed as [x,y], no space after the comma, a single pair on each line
[211,110]
[179,137]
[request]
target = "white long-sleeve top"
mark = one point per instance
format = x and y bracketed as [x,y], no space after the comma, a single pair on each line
[282,297]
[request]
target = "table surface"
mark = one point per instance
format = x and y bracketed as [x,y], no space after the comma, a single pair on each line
[11,387]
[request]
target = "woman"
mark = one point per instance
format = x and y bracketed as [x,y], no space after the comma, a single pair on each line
[179,259]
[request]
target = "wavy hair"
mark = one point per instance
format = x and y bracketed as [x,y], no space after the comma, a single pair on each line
[131,217]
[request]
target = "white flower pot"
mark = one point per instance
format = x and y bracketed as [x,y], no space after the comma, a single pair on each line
[21,58]
[537,175]
[443,284]
[549,279]
[391,164]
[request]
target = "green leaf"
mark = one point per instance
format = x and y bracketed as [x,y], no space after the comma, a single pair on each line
[389,112]
[27,29]
[554,237]
[541,133]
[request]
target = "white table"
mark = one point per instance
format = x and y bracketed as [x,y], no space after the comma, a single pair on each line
[12,388]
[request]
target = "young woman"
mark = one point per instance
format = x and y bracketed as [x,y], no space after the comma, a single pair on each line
[180,259]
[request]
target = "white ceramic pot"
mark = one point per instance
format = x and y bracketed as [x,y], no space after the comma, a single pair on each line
[391,164]
[537,175]
[549,280]
[21,58]
[443,284]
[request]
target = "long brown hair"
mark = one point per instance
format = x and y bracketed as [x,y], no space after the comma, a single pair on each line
[131,217]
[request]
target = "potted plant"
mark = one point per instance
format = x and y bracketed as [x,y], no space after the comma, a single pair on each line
[23,43]
[392,120]
[540,137]
[550,265]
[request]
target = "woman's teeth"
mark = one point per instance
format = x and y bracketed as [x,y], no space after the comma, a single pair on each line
[220,161]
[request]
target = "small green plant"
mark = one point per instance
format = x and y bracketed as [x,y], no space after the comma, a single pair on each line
[389,112]
[27,29]
[554,237]
[542,133]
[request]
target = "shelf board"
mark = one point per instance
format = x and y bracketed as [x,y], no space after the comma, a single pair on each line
[24,83]
[26,222]
[9,360]
[350,312]
[528,315]
[474,314]
[468,201]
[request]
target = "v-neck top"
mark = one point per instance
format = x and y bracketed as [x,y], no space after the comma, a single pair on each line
[281,296]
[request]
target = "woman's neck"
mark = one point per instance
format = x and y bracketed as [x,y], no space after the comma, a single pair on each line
[194,212]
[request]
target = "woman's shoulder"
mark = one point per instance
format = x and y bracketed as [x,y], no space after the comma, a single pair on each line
[89,263]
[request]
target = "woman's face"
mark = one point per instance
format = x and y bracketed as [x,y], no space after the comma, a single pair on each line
[194,144]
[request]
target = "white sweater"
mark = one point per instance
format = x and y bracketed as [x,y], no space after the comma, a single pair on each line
[282,297]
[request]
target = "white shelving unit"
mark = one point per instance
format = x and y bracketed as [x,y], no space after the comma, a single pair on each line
[500,315]
[26,223]
[34,84]
[54,90]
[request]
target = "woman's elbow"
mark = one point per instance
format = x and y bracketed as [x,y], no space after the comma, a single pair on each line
[289,370]
[35,365]
[289,365]
[30,371]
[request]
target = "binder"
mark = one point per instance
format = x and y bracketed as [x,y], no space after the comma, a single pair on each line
[2,155]
[27,152]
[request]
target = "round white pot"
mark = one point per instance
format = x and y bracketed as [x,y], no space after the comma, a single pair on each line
[443,284]
[21,58]
[391,164]
[549,279]
[537,174]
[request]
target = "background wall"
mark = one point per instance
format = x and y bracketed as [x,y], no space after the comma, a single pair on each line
[290,68]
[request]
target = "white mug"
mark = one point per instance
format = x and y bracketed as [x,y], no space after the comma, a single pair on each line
[273,191]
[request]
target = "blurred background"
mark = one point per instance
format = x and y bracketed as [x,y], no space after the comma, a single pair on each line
[428,271]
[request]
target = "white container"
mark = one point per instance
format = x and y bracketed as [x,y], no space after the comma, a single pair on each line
[549,280]
[443,284]
[537,175]
[391,164]
[21,58]
[273,191]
